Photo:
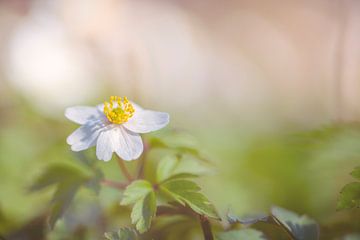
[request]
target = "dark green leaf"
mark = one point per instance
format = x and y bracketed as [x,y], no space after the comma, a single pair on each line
[68,180]
[141,194]
[122,234]
[187,192]
[301,227]
[349,196]
[356,173]
[243,234]
[59,173]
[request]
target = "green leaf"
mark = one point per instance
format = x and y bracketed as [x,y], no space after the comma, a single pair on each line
[349,196]
[143,212]
[187,192]
[301,227]
[135,191]
[68,180]
[122,234]
[166,167]
[243,234]
[356,173]
[141,194]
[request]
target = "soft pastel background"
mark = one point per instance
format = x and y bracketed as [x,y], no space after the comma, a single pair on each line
[255,83]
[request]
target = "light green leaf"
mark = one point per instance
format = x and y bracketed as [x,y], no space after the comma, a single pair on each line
[349,196]
[356,173]
[301,227]
[135,191]
[122,234]
[187,192]
[243,234]
[166,167]
[141,194]
[176,166]
[143,212]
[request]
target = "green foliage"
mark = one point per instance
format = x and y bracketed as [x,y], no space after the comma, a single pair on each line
[187,192]
[68,180]
[141,194]
[243,234]
[356,173]
[350,193]
[122,234]
[178,141]
[175,166]
[349,196]
[300,227]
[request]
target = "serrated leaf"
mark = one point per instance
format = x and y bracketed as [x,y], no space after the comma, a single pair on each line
[135,191]
[349,196]
[141,194]
[143,212]
[356,173]
[301,227]
[243,234]
[166,167]
[247,220]
[187,192]
[122,234]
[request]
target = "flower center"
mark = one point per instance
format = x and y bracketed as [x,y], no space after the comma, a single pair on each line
[118,110]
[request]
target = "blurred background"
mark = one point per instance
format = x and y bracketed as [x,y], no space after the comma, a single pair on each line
[269,89]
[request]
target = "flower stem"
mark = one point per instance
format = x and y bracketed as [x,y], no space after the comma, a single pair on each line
[113,184]
[124,169]
[206,228]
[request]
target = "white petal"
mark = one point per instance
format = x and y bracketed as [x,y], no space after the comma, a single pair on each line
[81,114]
[85,136]
[104,145]
[130,144]
[147,121]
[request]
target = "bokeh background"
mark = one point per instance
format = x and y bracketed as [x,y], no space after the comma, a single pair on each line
[267,88]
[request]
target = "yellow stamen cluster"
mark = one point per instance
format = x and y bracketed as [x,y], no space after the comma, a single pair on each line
[118,110]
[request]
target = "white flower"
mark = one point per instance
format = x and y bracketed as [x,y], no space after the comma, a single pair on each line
[113,127]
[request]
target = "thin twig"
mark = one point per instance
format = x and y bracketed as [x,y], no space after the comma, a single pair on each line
[142,160]
[124,169]
[285,228]
[113,184]
[206,228]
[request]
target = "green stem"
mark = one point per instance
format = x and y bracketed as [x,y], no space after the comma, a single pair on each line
[124,169]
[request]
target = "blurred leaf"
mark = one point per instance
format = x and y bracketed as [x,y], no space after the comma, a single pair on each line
[356,173]
[301,227]
[58,173]
[141,193]
[187,192]
[243,234]
[122,234]
[68,180]
[174,166]
[349,196]
[248,219]
[352,237]
[185,145]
